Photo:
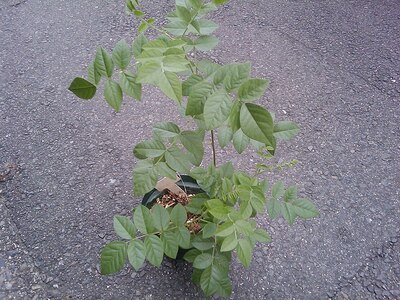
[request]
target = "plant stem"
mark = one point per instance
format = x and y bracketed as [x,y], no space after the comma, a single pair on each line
[213,148]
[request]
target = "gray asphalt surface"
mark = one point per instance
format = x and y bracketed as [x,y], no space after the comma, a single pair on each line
[65,164]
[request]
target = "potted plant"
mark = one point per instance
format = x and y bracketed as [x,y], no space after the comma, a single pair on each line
[198,205]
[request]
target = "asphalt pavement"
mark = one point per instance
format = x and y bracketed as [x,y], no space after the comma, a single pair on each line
[65,164]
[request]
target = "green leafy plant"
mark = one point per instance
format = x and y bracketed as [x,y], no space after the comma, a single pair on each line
[219,99]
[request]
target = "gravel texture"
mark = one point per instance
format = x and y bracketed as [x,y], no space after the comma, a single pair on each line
[65,164]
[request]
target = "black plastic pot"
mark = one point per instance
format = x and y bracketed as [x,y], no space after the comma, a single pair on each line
[186,183]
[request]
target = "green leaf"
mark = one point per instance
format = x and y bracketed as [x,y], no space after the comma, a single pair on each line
[113,94]
[138,13]
[130,5]
[151,55]
[130,86]
[164,170]
[197,98]
[183,236]
[202,244]
[113,256]
[232,75]
[219,2]
[218,209]
[224,136]
[288,212]
[154,250]
[214,278]
[196,4]
[305,209]
[176,28]
[175,60]
[256,122]
[225,229]
[191,255]
[252,89]
[193,142]
[285,130]
[175,64]
[255,195]
[245,252]
[205,43]
[160,217]
[257,199]
[189,84]
[143,27]
[124,227]
[176,43]
[170,244]
[196,275]
[157,44]
[143,219]
[137,45]
[149,149]
[144,178]
[229,243]
[206,26]
[238,73]
[290,194]
[278,190]
[274,207]
[208,282]
[208,68]
[207,8]
[196,204]
[136,254]
[103,63]
[262,236]
[166,130]
[184,14]
[240,141]
[149,72]
[203,261]
[93,75]
[209,230]
[246,210]
[121,54]
[170,85]
[244,227]
[177,160]
[82,88]
[224,288]
[178,215]
[217,109]
[234,116]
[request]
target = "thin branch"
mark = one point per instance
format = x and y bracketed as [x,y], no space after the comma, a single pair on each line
[213,148]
